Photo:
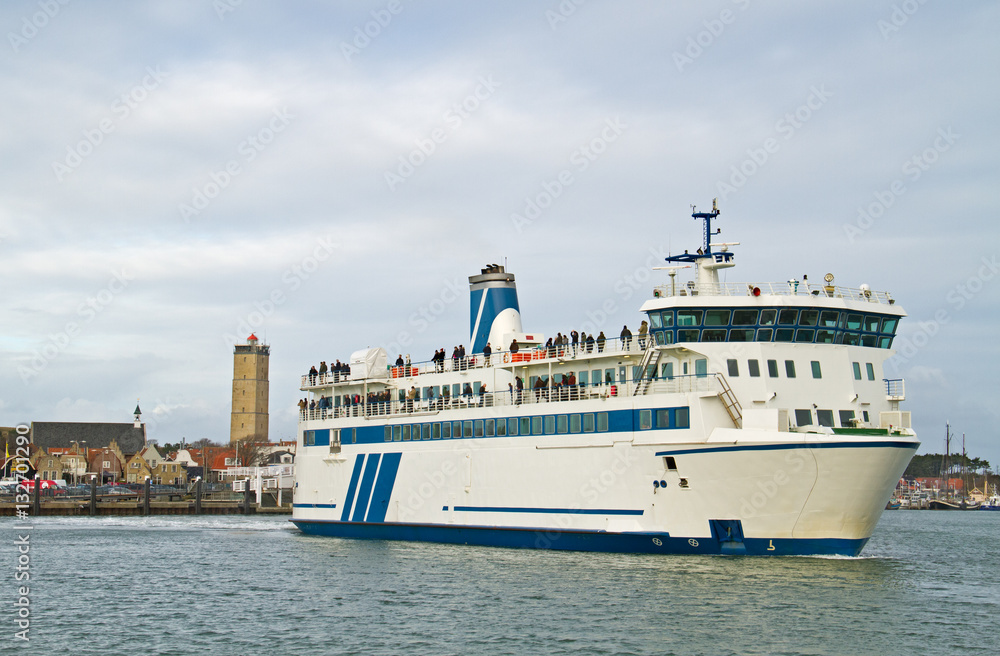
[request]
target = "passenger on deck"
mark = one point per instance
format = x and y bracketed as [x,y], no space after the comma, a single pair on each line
[487,350]
[513,347]
[626,338]
[520,389]
[467,391]
[643,329]
[600,342]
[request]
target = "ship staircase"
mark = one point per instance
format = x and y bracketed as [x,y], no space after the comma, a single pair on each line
[644,377]
[730,401]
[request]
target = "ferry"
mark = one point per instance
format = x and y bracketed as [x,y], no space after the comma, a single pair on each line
[741,418]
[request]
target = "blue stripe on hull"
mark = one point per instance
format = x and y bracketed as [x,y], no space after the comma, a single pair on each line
[656,543]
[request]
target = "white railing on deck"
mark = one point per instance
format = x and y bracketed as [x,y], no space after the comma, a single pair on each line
[795,288]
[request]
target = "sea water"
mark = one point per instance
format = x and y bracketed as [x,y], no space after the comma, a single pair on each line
[927,583]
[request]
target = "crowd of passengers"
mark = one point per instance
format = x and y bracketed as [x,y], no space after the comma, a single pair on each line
[339,370]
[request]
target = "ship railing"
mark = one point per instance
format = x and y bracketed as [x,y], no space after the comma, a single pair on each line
[895,389]
[635,344]
[790,288]
[506,398]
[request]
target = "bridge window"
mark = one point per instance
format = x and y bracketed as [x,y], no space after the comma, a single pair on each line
[667,318]
[784,334]
[803,418]
[765,334]
[824,336]
[713,335]
[788,317]
[741,335]
[809,317]
[804,335]
[790,368]
[687,335]
[717,317]
[817,372]
[744,317]
[734,367]
[772,368]
[768,317]
[654,320]
[828,319]
[871,323]
[851,339]
[689,318]
[854,322]
[753,367]
[889,325]
[885,342]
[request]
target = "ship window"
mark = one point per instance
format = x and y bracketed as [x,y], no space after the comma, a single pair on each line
[574,423]
[602,422]
[456,429]
[734,367]
[582,378]
[562,424]
[669,463]
[436,431]
[784,334]
[885,342]
[851,339]
[668,318]
[476,386]
[857,370]
[658,337]
[864,413]
[388,433]
[446,430]
[668,336]
[595,376]
[847,418]
[456,390]
[397,433]
[667,370]
[689,318]
[701,367]
[467,429]
[854,322]
[609,376]
[645,419]
[588,422]
[550,424]
[663,418]
[790,368]
[772,368]
[825,418]
[741,335]
[804,335]
[654,320]
[824,336]
[682,418]
[765,334]
[828,319]
[767,317]
[788,317]
[871,370]
[512,426]
[803,418]
[310,438]
[536,425]
[717,317]
[871,323]
[687,335]
[809,317]
[817,372]
[478,428]
[354,435]
[406,432]
[501,428]
[753,367]
[713,335]
[889,325]
[744,317]
[425,431]
[525,425]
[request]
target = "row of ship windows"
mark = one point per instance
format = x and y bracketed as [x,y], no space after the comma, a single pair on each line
[751,325]
[869,323]
[825,418]
[753,369]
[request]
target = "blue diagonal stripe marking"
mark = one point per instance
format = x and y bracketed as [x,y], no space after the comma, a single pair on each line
[358,463]
[365,491]
[383,487]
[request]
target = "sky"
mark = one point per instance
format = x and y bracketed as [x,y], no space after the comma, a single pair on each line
[327,175]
